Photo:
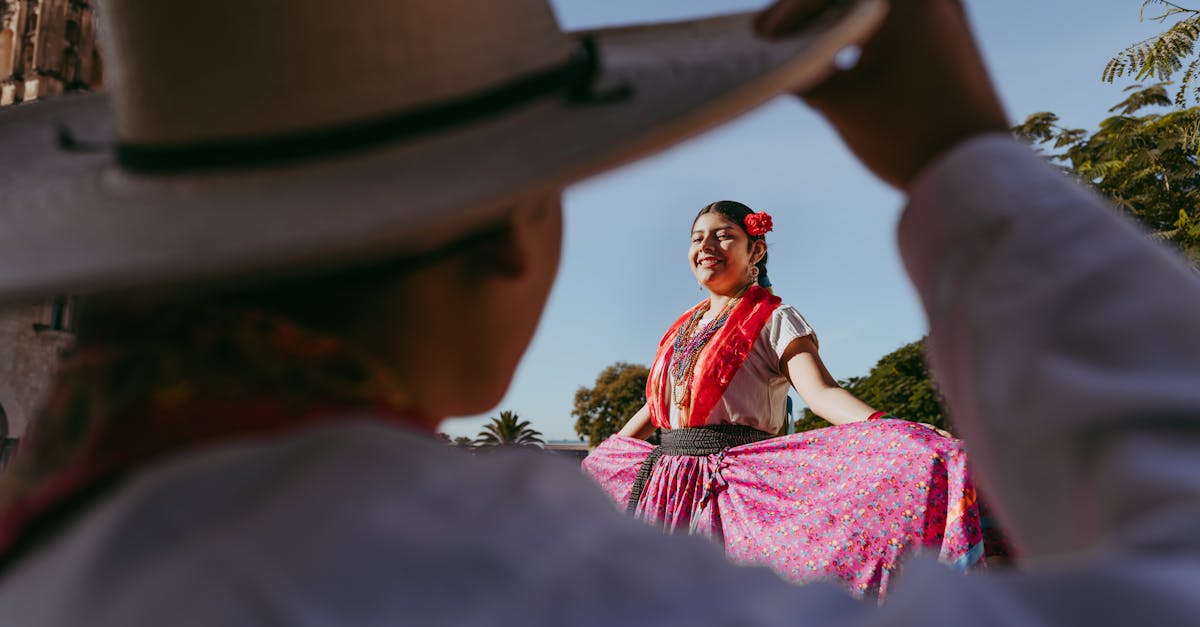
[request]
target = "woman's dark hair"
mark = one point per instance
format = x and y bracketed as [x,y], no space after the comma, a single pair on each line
[736,213]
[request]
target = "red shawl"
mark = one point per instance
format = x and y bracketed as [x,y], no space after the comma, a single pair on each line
[718,361]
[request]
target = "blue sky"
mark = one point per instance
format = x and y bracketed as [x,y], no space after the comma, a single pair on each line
[624,277]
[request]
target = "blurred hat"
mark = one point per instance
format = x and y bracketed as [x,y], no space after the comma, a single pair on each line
[256,139]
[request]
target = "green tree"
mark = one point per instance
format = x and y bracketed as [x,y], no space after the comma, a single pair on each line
[603,409]
[1162,56]
[1145,157]
[899,384]
[1146,163]
[508,430]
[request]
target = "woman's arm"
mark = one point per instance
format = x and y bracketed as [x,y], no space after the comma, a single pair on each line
[803,366]
[639,426]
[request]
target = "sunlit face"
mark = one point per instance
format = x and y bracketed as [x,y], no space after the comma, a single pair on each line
[721,254]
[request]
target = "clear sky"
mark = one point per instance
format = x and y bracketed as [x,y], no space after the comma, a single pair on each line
[624,277]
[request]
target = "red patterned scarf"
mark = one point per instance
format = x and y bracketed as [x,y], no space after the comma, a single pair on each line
[718,361]
[175,380]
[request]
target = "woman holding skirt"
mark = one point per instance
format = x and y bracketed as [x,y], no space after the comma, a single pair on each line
[846,502]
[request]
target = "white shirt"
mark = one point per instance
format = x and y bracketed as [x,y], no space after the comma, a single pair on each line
[744,402]
[1066,344]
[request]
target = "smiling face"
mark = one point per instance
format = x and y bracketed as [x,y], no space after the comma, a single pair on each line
[722,253]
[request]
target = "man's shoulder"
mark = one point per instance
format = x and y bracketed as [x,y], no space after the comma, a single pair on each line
[366,523]
[371,466]
[359,511]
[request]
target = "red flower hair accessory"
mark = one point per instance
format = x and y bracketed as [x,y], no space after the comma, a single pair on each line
[758,224]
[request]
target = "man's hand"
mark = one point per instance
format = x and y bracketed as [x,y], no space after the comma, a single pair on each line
[919,88]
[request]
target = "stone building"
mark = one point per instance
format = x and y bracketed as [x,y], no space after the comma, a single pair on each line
[47,47]
[32,338]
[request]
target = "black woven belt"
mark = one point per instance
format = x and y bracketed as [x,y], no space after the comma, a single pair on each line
[695,442]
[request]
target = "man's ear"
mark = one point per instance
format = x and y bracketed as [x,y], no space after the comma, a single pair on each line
[507,250]
[499,252]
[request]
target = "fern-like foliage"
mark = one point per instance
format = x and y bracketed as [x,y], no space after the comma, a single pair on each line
[1140,98]
[1163,56]
[1144,159]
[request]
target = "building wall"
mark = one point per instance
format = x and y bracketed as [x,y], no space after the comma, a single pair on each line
[29,355]
[47,47]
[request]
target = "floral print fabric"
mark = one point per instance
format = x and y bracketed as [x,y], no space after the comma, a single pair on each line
[846,502]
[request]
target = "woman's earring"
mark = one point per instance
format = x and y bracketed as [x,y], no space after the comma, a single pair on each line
[754,275]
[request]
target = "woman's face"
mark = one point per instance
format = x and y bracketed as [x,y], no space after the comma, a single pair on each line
[721,254]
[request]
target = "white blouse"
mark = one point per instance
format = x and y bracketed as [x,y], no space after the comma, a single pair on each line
[757,394]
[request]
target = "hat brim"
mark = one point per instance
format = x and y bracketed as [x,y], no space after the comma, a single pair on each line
[72,221]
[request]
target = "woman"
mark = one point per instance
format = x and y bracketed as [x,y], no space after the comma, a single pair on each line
[845,502]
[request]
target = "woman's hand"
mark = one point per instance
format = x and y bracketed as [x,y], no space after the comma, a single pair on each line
[919,88]
[941,432]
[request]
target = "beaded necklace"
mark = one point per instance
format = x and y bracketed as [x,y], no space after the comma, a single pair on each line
[688,345]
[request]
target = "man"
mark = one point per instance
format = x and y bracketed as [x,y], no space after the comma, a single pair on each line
[1061,337]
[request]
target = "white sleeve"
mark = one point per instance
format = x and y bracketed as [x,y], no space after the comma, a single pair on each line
[786,324]
[362,525]
[1067,344]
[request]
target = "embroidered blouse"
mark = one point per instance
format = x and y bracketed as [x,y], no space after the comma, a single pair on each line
[756,395]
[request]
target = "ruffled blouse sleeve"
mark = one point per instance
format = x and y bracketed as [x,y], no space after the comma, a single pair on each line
[786,324]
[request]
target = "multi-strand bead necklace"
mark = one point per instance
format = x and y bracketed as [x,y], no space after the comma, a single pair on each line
[689,343]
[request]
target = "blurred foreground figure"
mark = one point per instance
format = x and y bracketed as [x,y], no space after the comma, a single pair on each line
[294,278]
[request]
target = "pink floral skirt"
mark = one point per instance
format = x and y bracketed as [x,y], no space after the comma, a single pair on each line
[843,503]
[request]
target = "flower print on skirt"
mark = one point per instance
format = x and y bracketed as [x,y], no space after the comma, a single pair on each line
[841,503]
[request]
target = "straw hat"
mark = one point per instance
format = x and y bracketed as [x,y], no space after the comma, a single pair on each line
[260,138]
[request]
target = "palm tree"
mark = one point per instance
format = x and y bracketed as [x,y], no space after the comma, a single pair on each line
[508,430]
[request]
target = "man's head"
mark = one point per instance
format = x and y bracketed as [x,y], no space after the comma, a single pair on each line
[451,324]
